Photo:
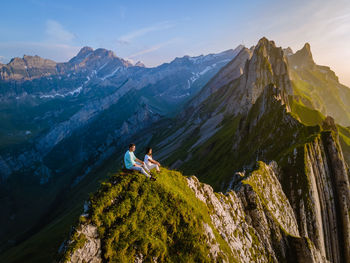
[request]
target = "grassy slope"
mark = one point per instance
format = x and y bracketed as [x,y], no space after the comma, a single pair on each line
[157,219]
[323,92]
[218,158]
[216,161]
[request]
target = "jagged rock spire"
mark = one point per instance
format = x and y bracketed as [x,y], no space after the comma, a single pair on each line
[268,65]
[302,58]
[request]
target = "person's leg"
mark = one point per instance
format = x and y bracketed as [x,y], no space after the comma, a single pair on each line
[144,166]
[153,165]
[140,169]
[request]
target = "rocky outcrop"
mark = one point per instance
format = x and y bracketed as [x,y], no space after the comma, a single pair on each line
[318,189]
[89,249]
[255,220]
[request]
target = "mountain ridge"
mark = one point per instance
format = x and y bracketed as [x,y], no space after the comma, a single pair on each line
[223,134]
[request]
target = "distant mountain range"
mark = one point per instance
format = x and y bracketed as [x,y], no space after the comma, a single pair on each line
[58,121]
[44,103]
[65,126]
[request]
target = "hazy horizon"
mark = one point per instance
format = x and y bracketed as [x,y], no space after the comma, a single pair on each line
[157,32]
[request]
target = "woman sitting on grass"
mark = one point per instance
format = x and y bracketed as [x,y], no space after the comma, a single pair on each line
[149,162]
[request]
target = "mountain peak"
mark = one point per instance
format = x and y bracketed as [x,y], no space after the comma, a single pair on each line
[265,42]
[306,51]
[83,53]
[302,58]
[288,51]
[307,47]
[139,64]
[86,49]
[87,55]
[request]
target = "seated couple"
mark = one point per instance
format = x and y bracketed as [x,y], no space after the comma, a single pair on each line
[132,163]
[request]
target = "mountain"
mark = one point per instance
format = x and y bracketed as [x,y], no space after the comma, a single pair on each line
[318,86]
[37,116]
[255,117]
[28,67]
[178,219]
[247,132]
[60,123]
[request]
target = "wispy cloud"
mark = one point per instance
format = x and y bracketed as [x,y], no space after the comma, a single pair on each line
[57,44]
[127,38]
[153,48]
[57,33]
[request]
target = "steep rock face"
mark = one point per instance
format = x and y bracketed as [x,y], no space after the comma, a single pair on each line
[225,76]
[253,223]
[235,89]
[268,65]
[318,189]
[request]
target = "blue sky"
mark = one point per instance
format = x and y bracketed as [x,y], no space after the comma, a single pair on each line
[158,31]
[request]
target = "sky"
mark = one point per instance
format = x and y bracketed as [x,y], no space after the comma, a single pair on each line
[155,32]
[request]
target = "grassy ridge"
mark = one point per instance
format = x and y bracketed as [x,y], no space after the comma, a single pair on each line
[161,219]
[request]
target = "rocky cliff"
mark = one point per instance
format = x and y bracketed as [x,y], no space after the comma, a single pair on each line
[252,223]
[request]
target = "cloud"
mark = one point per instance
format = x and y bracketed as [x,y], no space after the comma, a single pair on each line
[126,39]
[56,33]
[153,48]
[57,44]
[2,59]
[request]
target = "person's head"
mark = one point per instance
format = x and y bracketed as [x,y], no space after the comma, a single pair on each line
[149,150]
[132,147]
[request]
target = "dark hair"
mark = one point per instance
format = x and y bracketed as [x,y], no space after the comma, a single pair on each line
[131,145]
[148,149]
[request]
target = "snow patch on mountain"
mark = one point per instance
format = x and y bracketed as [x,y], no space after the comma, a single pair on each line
[111,74]
[70,93]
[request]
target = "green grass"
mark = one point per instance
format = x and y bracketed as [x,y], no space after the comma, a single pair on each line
[244,139]
[160,219]
[214,155]
[307,115]
[322,92]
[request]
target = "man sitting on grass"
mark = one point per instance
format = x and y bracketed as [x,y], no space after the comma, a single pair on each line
[133,163]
